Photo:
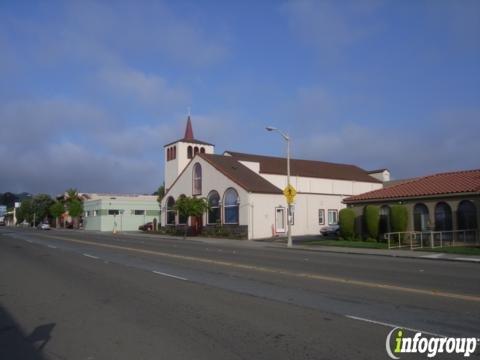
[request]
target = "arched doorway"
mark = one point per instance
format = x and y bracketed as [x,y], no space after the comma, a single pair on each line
[421,220]
[443,217]
[384,219]
[467,215]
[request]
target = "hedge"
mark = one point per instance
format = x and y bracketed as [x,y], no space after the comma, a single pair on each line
[398,218]
[346,221]
[372,220]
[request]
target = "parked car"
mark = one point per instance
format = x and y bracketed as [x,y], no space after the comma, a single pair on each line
[146,227]
[43,226]
[330,230]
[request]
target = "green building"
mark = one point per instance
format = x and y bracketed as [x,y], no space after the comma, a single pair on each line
[117,213]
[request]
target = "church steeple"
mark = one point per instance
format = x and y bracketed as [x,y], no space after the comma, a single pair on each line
[188,130]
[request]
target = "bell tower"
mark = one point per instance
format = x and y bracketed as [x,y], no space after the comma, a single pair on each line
[180,152]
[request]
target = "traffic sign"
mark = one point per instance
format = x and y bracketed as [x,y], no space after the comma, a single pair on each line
[290,193]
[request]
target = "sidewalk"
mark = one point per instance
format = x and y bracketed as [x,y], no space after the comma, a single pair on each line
[297,246]
[424,255]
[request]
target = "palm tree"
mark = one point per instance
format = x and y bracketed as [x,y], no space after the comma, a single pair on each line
[190,206]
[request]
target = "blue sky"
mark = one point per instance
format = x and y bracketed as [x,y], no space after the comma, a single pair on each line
[90,91]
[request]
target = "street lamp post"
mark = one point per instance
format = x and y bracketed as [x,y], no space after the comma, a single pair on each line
[289,210]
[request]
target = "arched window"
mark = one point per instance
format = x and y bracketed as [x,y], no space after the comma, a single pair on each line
[197,179]
[171,211]
[182,219]
[195,150]
[189,152]
[421,221]
[214,208]
[384,219]
[202,150]
[174,152]
[443,217]
[230,206]
[467,215]
[168,154]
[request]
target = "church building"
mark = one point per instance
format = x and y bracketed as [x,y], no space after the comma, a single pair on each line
[244,191]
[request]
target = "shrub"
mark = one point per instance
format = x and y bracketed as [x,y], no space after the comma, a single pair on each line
[346,221]
[399,218]
[372,220]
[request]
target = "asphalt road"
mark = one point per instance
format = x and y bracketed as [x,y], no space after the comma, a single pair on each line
[78,295]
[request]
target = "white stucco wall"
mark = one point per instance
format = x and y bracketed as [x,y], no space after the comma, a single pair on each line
[174,167]
[306,208]
[323,186]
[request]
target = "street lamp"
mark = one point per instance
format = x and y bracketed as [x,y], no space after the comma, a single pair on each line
[289,211]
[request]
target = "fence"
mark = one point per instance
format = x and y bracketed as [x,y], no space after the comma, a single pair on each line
[432,239]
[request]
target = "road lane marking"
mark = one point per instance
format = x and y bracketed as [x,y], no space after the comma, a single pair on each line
[432,256]
[169,275]
[52,247]
[392,325]
[30,241]
[91,256]
[467,259]
[311,276]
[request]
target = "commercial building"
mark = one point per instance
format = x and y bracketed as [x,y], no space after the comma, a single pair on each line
[111,212]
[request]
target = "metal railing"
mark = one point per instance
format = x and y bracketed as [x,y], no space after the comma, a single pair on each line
[431,239]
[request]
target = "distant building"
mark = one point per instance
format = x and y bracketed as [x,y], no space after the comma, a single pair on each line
[442,202]
[111,212]
[245,190]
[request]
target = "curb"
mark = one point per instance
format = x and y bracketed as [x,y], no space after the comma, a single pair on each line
[463,260]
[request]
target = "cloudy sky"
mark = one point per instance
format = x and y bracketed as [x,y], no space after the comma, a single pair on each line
[90,91]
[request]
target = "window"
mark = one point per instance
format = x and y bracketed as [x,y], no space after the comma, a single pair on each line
[138,212]
[171,213]
[332,217]
[202,150]
[197,179]
[189,152]
[420,217]
[87,213]
[321,217]
[467,215]
[195,150]
[443,217]
[113,212]
[174,156]
[230,206]
[214,210]
[280,220]
[168,154]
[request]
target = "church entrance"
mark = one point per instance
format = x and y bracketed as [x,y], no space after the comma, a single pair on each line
[197,225]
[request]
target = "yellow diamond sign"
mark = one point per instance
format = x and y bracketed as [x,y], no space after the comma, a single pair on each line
[290,193]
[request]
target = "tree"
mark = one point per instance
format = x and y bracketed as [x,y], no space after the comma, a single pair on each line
[8,199]
[25,211]
[72,194]
[41,206]
[372,220]
[346,221]
[160,193]
[56,210]
[75,209]
[190,206]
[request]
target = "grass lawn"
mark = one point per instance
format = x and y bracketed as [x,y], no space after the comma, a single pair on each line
[463,250]
[346,243]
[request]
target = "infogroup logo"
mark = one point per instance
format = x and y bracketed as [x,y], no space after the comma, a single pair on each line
[431,346]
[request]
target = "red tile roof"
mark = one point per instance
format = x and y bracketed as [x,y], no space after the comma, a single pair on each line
[306,168]
[450,183]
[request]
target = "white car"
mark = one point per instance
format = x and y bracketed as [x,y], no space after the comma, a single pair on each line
[44,226]
[330,230]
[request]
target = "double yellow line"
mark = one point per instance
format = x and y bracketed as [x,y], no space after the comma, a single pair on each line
[263,269]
